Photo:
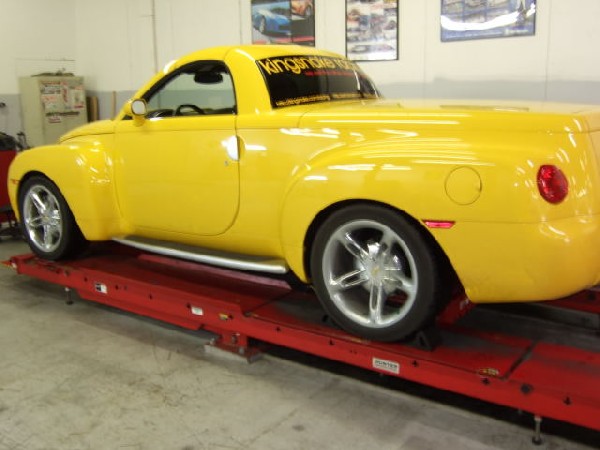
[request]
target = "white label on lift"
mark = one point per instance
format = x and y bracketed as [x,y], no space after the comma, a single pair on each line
[101,287]
[386,366]
[197,311]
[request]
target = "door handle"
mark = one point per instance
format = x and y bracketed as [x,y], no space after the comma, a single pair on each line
[232,147]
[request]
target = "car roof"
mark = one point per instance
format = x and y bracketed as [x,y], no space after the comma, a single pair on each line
[251,51]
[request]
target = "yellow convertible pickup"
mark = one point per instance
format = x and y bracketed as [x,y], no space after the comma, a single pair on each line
[285,159]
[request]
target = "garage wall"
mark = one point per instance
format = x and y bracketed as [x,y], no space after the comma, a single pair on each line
[117,45]
[115,48]
[555,64]
[23,52]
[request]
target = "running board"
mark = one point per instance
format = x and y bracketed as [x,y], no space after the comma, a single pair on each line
[206,256]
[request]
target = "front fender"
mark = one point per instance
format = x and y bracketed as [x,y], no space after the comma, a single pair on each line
[81,168]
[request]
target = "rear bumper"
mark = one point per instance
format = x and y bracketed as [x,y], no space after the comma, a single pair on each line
[524,262]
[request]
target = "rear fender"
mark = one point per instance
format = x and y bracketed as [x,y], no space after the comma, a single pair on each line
[354,176]
[446,181]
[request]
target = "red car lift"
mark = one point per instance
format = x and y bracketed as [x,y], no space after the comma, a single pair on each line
[555,378]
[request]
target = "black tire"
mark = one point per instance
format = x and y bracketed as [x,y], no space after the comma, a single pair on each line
[376,273]
[47,221]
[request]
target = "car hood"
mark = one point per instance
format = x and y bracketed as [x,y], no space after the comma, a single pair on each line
[90,129]
[476,115]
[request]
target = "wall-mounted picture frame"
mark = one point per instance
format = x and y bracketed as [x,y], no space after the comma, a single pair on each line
[283,22]
[483,19]
[372,30]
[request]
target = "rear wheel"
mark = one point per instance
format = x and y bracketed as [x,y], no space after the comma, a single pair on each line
[376,273]
[47,221]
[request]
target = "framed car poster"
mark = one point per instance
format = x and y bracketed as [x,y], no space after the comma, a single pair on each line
[283,22]
[480,19]
[372,30]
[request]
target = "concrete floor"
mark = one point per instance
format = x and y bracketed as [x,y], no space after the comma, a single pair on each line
[88,377]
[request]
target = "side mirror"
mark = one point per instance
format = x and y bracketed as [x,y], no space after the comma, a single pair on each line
[137,109]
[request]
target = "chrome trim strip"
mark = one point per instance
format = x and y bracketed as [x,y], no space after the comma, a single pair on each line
[237,262]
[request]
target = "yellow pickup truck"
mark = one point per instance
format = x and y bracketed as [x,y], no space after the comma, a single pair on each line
[285,159]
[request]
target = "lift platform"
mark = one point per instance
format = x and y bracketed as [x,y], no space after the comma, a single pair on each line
[534,364]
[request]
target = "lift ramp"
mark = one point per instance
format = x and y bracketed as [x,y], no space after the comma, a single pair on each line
[542,366]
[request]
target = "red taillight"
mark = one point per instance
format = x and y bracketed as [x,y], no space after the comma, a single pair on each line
[552,183]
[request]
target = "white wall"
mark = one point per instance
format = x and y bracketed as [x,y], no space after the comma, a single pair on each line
[118,44]
[114,42]
[184,26]
[115,48]
[555,64]
[35,36]
[558,63]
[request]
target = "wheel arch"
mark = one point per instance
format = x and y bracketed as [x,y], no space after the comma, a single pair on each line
[447,270]
[55,236]
[26,177]
[16,195]
[37,173]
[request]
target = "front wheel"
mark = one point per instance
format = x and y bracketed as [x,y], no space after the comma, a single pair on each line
[376,273]
[47,222]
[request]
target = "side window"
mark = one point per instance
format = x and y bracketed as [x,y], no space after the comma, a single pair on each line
[204,88]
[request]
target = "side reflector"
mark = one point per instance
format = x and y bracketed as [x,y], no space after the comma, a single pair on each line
[439,223]
[552,184]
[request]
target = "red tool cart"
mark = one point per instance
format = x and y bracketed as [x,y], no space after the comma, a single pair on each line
[8,150]
[547,368]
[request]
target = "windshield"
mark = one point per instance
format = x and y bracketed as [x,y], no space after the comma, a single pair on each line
[296,80]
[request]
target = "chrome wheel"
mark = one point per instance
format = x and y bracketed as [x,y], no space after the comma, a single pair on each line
[370,273]
[47,221]
[42,218]
[377,272]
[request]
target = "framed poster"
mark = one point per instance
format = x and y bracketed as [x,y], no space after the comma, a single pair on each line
[372,30]
[283,22]
[480,19]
